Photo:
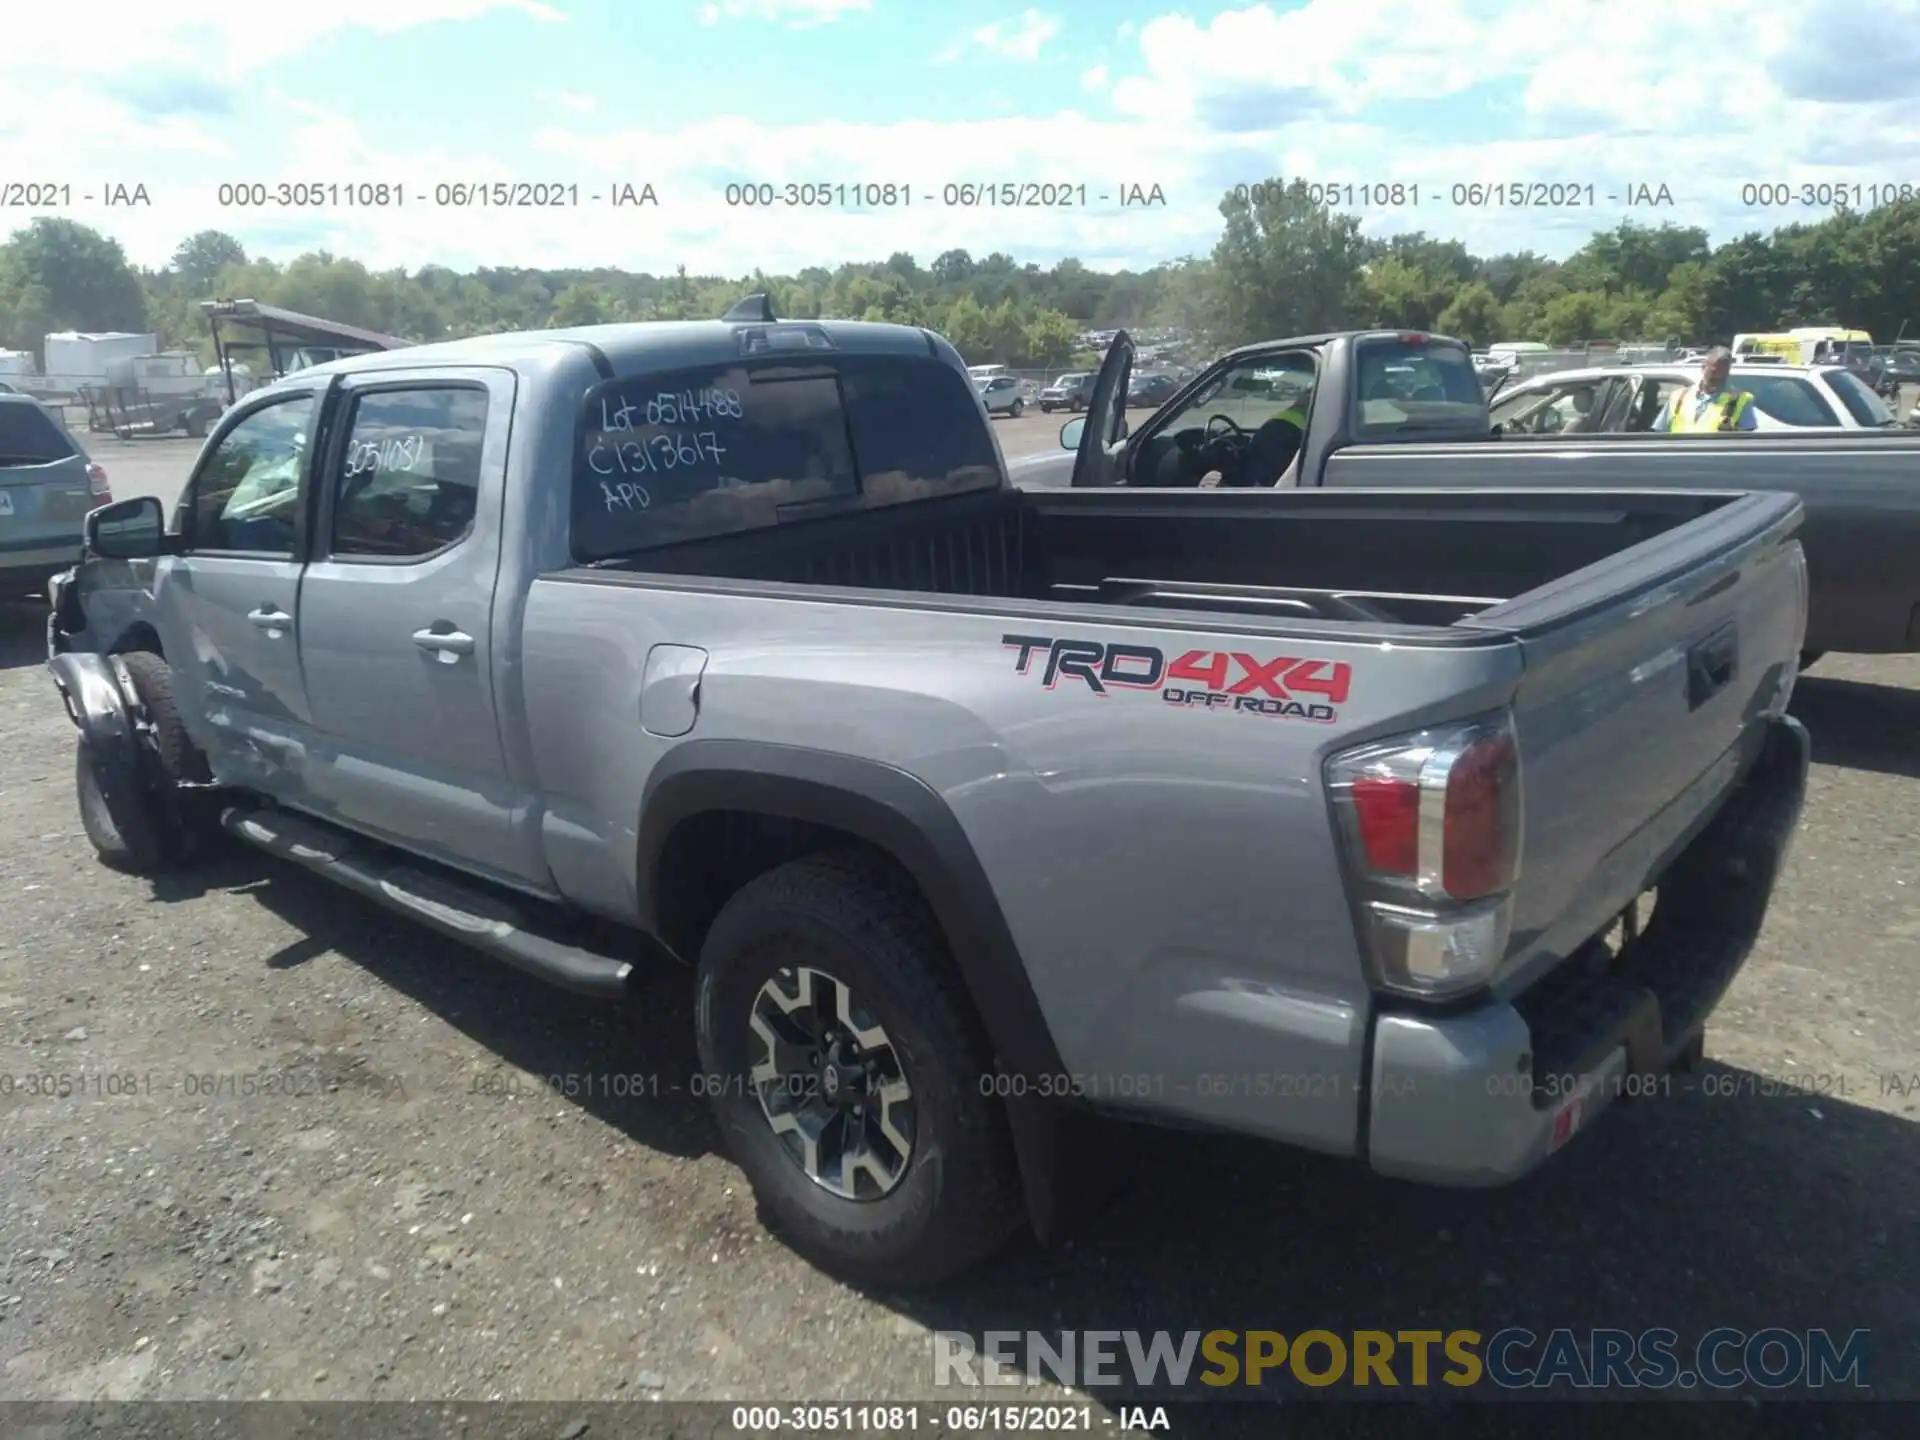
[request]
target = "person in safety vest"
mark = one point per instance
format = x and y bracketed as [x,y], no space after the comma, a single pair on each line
[1711,403]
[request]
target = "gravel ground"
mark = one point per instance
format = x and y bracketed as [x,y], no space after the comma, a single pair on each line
[411,1214]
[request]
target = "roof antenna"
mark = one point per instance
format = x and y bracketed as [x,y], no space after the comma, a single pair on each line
[754,310]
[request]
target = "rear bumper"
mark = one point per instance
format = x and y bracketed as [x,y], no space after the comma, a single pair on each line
[1483,1096]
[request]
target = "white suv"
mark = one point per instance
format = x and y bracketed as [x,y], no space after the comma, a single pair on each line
[1002,395]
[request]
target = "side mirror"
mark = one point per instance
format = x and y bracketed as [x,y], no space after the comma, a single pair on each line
[127,529]
[1070,433]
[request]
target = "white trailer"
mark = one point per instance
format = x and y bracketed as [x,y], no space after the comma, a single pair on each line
[75,358]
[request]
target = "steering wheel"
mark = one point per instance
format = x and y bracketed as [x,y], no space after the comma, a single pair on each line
[1233,427]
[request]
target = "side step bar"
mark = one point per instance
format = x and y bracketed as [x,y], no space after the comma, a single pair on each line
[454,908]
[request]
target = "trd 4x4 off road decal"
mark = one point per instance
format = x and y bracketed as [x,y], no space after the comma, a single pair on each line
[1283,687]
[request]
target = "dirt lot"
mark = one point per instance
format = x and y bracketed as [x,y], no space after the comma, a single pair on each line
[411,1213]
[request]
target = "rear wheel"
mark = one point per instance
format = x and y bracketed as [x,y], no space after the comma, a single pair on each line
[845,1068]
[1018,406]
[196,426]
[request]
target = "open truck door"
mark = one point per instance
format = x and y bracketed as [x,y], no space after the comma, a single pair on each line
[1103,429]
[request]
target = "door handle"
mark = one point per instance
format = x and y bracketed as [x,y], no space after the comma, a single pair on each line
[271,619]
[448,645]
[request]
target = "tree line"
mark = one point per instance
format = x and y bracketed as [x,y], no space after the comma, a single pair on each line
[1284,265]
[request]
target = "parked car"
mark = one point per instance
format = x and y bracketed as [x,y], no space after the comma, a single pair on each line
[47,486]
[1367,427]
[1633,397]
[1069,392]
[778,676]
[1900,366]
[1002,395]
[1154,389]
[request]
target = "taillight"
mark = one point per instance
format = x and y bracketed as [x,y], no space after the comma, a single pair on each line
[1431,822]
[97,483]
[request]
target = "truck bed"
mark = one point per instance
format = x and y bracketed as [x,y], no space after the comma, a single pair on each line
[1416,558]
[1637,640]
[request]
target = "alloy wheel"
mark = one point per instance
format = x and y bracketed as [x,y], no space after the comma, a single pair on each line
[830,1084]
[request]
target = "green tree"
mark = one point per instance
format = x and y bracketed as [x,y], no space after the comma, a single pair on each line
[1472,315]
[1048,338]
[580,305]
[1681,312]
[970,331]
[85,278]
[1634,257]
[199,260]
[1577,316]
[1446,261]
[29,316]
[1285,264]
[1398,293]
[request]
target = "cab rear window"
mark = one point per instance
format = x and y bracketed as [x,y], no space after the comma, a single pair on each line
[1417,385]
[686,455]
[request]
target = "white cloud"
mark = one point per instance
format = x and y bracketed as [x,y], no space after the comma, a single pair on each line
[215,36]
[574,102]
[795,14]
[1613,95]
[1020,39]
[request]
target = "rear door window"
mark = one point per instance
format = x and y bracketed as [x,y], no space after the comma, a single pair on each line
[28,436]
[410,479]
[671,457]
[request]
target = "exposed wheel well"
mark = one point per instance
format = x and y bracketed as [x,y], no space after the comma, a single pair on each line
[709,856]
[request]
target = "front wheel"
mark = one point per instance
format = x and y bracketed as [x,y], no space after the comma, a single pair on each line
[845,1067]
[123,829]
[168,817]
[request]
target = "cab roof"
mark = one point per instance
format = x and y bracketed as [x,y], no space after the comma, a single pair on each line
[635,347]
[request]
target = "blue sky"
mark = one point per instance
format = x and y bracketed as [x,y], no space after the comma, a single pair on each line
[1576,103]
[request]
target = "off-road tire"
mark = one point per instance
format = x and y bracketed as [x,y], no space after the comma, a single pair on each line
[958,1200]
[165,827]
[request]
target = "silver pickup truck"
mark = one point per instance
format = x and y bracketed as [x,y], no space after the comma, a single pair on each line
[1410,827]
[1367,408]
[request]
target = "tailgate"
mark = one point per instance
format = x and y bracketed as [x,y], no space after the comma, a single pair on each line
[42,504]
[1643,675]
